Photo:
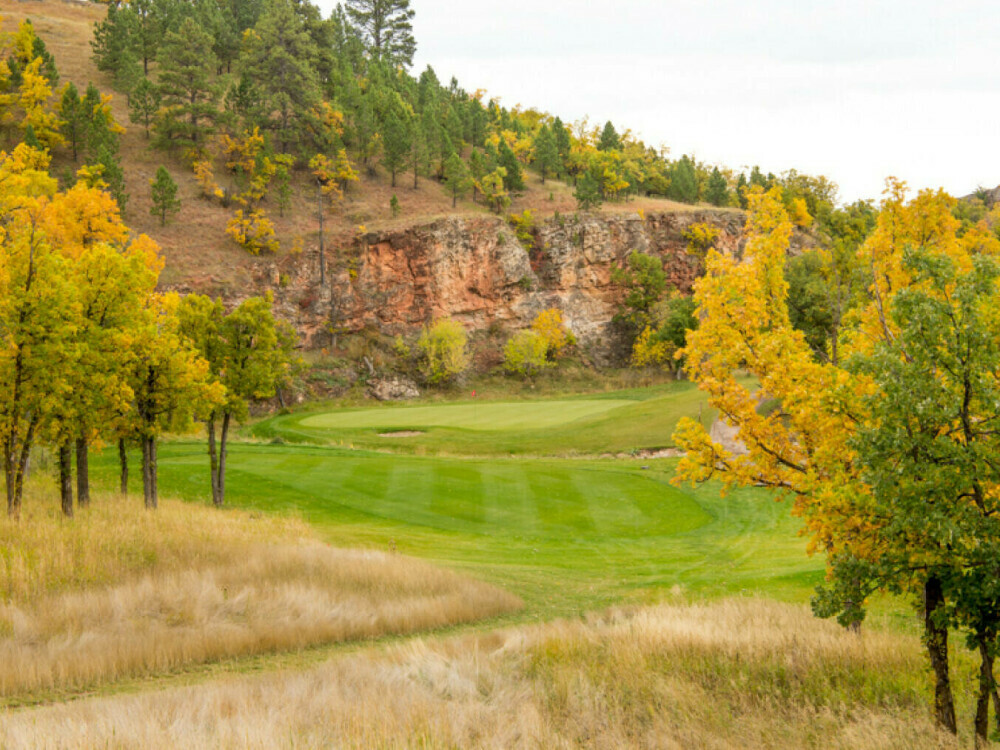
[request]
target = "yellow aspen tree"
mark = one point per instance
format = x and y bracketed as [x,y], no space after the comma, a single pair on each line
[808,448]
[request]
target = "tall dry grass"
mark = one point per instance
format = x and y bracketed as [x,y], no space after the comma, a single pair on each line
[738,673]
[120,592]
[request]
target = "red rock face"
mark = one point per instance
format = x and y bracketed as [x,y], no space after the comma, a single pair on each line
[476,271]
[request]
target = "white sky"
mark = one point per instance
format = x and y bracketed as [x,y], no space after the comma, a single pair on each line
[850,89]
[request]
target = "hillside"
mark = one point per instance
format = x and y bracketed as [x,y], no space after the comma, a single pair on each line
[199,255]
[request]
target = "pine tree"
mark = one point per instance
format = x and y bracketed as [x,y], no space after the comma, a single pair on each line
[386,28]
[588,192]
[609,138]
[188,91]
[683,181]
[397,140]
[164,194]
[30,139]
[741,190]
[101,132]
[112,174]
[143,104]
[717,191]
[280,59]
[75,119]
[513,178]
[546,153]
[113,37]
[456,177]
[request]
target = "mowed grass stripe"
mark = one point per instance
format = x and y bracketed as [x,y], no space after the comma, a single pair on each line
[480,416]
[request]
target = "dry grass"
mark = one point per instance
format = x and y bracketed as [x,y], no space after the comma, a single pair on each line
[120,592]
[738,673]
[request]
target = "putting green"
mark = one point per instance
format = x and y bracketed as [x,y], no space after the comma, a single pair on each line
[485,416]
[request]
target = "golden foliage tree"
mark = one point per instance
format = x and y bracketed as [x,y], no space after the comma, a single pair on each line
[826,445]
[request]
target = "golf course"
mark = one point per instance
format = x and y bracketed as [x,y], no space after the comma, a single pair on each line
[578,525]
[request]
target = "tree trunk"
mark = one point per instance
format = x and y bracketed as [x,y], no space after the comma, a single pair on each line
[936,640]
[122,467]
[15,466]
[322,253]
[985,691]
[223,449]
[82,472]
[394,178]
[149,494]
[454,200]
[66,478]
[213,461]
[13,508]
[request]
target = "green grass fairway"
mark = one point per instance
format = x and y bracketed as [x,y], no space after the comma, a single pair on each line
[567,536]
[617,422]
[485,415]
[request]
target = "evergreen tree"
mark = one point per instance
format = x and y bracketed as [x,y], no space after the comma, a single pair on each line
[609,140]
[112,174]
[563,143]
[457,177]
[588,192]
[30,139]
[129,74]
[717,192]
[114,37]
[397,140]
[546,153]
[514,178]
[143,104]
[153,19]
[419,148]
[74,117]
[684,181]
[741,190]
[478,168]
[188,91]
[385,27]
[101,132]
[280,62]
[164,194]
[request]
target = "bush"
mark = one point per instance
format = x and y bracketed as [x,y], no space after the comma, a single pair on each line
[549,324]
[523,225]
[526,354]
[443,354]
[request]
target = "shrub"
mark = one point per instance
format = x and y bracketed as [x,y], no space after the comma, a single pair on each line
[443,354]
[700,238]
[526,354]
[524,227]
[549,324]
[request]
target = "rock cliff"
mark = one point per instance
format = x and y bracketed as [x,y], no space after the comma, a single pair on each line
[475,270]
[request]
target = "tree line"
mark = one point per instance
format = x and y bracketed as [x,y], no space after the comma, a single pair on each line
[90,351]
[340,87]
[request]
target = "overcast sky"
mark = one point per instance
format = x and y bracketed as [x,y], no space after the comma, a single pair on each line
[853,90]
